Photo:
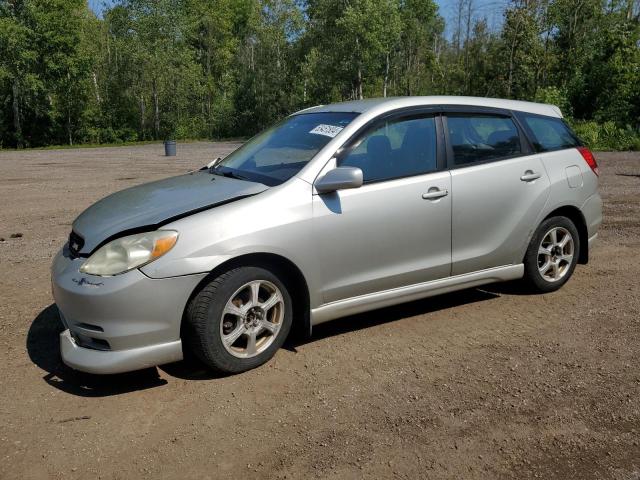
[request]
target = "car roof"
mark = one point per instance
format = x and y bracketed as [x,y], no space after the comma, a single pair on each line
[382,105]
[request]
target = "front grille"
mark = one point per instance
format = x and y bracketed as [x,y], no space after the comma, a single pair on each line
[76,242]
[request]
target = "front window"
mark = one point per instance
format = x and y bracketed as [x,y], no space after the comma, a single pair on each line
[398,148]
[277,154]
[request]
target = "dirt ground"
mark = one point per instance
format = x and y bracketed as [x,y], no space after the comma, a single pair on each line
[484,383]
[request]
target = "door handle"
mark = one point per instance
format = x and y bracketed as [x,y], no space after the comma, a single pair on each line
[530,176]
[434,193]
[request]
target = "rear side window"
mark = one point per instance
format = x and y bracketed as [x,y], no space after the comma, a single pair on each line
[549,133]
[480,138]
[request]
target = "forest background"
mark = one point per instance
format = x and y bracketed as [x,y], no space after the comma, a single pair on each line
[141,70]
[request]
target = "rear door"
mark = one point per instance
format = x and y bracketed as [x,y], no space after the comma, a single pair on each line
[499,189]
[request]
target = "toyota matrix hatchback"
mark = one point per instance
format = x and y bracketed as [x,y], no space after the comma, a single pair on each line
[335,210]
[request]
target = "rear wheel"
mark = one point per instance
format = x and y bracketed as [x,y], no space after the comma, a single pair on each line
[552,254]
[239,320]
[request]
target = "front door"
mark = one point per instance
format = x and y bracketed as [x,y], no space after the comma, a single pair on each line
[395,230]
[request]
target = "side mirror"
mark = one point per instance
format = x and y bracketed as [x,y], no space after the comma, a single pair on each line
[340,178]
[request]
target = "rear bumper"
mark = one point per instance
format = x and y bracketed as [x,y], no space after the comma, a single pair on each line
[592,211]
[120,323]
[98,361]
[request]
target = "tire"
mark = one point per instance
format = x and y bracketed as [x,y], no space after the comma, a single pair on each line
[223,317]
[539,271]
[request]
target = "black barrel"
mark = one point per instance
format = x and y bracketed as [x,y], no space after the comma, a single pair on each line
[170,148]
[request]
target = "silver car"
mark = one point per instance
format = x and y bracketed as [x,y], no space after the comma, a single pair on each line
[335,210]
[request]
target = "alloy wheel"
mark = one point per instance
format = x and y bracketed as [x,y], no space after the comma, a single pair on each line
[555,254]
[252,318]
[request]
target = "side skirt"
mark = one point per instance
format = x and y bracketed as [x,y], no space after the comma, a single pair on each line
[386,298]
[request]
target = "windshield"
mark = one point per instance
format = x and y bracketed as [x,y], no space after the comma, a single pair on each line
[280,152]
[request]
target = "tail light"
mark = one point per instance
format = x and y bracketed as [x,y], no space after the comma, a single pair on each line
[590,159]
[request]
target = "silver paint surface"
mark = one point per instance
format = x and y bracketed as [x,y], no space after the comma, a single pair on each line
[357,249]
[153,203]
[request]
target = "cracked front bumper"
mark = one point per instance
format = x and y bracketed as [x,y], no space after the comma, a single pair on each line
[120,323]
[118,361]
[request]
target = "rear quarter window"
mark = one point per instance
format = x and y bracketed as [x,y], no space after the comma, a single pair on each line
[548,133]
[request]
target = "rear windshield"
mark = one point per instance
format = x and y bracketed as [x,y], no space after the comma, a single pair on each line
[549,133]
[280,152]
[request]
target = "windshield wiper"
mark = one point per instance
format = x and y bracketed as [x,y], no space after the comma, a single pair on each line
[227,173]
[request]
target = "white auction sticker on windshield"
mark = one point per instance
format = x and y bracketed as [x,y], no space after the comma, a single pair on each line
[327,130]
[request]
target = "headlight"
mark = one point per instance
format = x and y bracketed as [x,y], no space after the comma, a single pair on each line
[126,253]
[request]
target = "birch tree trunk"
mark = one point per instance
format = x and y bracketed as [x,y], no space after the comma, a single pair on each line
[511,56]
[17,125]
[142,111]
[95,86]
[386,76]
[156,109]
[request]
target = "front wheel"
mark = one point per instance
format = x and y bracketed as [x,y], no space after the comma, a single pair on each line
[552,254]
[239,320]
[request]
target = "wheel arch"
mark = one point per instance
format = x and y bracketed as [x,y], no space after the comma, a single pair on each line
[285,269]
[575,215]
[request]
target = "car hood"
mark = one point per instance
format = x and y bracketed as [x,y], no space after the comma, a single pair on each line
[153,204]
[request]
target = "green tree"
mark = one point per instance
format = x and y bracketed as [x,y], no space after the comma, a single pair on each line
[148,69]
[520,51]
[43,66]
[215,31]
[18,66]
[267,71]
[355,41]
[417,56]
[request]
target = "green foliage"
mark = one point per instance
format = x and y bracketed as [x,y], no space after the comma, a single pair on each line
[554,96]
[607,135]
[153,69]
[520,52]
